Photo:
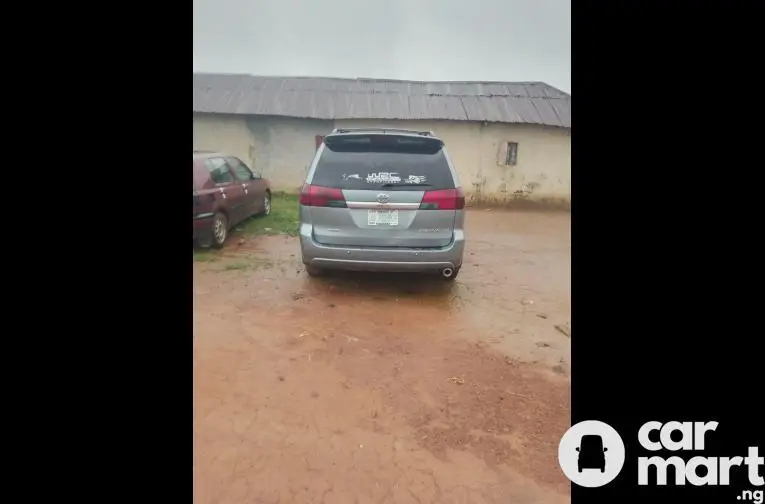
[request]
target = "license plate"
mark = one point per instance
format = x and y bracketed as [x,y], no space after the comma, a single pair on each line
[382,217]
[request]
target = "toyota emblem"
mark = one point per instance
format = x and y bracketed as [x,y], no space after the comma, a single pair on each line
[383,198]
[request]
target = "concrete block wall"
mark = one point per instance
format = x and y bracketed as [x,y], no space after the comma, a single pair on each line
[282,148]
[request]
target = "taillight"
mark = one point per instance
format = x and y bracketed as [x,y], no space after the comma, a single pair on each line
[447,199]
[318,196]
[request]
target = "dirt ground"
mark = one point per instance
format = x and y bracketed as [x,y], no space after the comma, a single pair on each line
[385,389]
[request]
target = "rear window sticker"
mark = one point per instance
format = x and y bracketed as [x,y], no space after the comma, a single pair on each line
[383,178]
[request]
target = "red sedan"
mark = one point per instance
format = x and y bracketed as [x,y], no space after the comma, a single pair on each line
[226,192]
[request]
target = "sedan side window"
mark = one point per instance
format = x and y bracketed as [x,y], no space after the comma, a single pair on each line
[220,173]
[242,171]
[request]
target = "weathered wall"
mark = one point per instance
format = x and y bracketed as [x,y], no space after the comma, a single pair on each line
[281,149]
[224,133]
[284,147]
[278,148]
[542,172]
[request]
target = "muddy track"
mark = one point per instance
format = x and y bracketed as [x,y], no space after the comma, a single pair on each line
[370,388]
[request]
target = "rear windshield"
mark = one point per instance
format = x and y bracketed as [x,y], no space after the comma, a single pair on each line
[383,161]
[201,175]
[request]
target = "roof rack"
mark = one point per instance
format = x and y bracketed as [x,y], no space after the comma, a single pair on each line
[382,130]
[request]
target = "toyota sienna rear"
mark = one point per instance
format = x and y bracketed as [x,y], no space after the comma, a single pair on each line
[382,200]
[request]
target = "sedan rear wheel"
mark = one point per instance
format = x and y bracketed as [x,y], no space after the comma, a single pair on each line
[219,230]
[267,204]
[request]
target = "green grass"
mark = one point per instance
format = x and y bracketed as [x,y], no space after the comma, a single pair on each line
[282,221]
[204,255]
[236,266]
[250,264]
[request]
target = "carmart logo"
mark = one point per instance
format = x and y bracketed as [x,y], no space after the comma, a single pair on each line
[692,437]
[591,454]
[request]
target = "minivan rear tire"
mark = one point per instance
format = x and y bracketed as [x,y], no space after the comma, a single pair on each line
[313,271]
[219,231]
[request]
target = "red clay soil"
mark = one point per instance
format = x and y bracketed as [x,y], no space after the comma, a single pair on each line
[385,389]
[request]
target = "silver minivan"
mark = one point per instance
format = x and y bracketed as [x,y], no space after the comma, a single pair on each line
[382,200]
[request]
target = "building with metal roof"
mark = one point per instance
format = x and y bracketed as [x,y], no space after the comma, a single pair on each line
[509,140]
[329,98]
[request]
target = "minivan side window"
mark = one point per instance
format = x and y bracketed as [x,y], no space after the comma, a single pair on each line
[242,171]
[220,173]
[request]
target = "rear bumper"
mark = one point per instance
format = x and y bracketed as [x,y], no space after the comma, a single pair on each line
[203,228]
[377,259]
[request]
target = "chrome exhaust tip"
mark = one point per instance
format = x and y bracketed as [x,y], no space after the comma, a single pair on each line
[447,272]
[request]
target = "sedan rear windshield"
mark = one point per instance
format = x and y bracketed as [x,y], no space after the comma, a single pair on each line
[383,161]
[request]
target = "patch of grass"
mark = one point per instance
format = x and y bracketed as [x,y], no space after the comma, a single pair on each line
[251,264]
[204,256]
[282,221]
[236,266]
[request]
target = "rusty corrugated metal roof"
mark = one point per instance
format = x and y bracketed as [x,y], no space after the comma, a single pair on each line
[332,98]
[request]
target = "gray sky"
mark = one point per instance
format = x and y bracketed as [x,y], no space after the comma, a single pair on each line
[493,40]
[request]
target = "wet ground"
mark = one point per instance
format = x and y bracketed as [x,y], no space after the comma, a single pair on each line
[385,389]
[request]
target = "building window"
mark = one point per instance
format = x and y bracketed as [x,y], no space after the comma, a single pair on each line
[511,156]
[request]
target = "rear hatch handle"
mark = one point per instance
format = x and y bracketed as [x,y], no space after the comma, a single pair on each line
[388,185]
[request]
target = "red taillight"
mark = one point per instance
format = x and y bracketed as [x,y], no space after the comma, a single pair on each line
[318,196]
[447,199]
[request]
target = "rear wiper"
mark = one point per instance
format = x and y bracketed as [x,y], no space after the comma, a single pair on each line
[407,185]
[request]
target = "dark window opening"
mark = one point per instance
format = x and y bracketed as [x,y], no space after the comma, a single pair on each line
[373,162]
[242,171]
[511,157]
[220,173]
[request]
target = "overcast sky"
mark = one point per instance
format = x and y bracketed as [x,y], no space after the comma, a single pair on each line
[492,40]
